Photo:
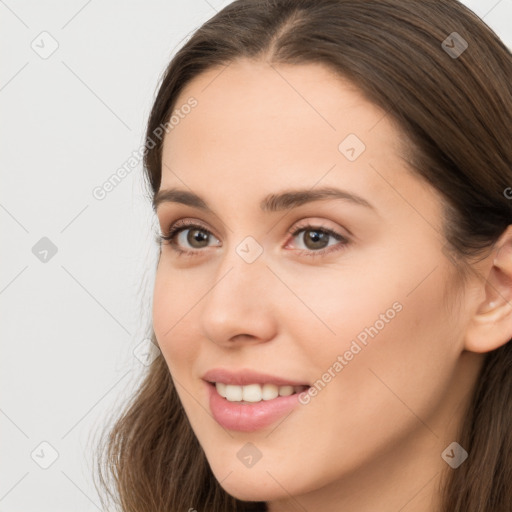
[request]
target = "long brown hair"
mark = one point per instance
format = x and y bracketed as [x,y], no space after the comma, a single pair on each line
[455,111]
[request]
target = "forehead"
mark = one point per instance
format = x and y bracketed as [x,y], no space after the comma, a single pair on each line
[247,91]
[257,123]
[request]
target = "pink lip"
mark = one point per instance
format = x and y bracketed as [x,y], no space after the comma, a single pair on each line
[244,377]
[248,417]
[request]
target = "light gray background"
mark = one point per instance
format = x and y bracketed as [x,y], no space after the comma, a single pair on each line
[70,324]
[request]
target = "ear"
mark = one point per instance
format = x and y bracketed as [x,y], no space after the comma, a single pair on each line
[491,325]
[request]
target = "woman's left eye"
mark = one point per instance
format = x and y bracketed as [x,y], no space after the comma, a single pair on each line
[316,240]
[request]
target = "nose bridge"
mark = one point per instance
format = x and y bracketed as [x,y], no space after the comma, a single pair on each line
[243,267]
[236,302]
[239,277]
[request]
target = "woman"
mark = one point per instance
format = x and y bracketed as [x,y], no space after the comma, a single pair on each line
[332,297]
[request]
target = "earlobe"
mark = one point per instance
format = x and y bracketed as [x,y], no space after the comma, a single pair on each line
[491,325]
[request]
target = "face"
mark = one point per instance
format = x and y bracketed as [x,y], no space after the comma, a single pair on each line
[343,294]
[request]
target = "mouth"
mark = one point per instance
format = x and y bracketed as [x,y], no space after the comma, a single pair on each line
[256,392]
[251,407]
[246,400]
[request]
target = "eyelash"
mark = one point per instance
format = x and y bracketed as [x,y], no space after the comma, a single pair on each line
[183,225]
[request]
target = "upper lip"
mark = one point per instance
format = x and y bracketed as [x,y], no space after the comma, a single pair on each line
[244,377]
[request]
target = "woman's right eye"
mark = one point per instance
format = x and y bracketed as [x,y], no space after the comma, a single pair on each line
[185,236]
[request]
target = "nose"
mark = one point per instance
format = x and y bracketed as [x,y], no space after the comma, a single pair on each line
[238,307]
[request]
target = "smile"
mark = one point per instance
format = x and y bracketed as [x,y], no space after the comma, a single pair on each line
[251,407]
[253,393]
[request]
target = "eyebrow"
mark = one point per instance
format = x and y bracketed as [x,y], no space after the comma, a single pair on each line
[272,203]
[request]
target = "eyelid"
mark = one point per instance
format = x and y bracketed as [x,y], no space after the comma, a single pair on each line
[189,222]
[310,223]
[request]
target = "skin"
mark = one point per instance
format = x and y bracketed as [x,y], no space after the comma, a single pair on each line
[372,438]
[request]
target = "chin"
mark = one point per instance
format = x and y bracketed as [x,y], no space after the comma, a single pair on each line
[249,484]
[250,489]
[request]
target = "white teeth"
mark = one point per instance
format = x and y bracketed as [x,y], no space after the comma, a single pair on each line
[255,392]
[233,393]
[251,393]
[269,391]
[286,390]
[221,389]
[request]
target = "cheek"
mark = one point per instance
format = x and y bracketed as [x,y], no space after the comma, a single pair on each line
[173,307]
[399,374]
[377,339]
[406,357]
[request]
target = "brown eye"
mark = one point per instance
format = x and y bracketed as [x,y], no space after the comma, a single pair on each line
[197,238]
[315,238]
[188,238]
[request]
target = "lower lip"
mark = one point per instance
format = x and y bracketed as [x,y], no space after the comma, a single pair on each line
[248,417]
